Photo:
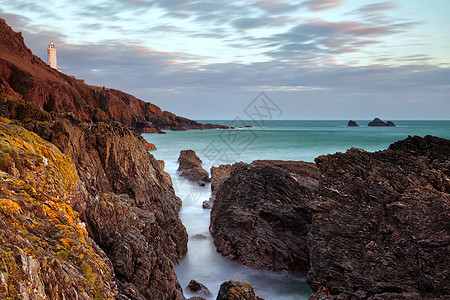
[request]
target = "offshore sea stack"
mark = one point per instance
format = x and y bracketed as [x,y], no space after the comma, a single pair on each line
[24,75]
[380,225]
[261,214]
[190,166]
[352,124]
[378,123]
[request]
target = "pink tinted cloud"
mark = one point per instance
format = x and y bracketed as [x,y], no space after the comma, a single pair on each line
[316,5]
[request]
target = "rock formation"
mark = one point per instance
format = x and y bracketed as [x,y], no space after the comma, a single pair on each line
[237,290]
[190,166]
[437,150]
[24,75]
[261,216]
[45,249]
[378,123]
[198,288]
[133,219]
[380,224]
[218,176]
[390,124]
[352,124]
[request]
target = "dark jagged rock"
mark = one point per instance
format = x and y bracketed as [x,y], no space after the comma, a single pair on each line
[207,204]
[390,124]
[437,150]
[133,219]
[378,123]
[380,224]
[261,216]
[218,176]
[352,124]
[190,166]
[24,74]
[198,288]
[237,290]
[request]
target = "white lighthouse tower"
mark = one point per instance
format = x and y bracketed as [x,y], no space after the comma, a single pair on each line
[51,56]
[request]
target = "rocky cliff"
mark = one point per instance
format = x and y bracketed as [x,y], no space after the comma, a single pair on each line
[380,226]
[124,197]
[45,249]
[261,215]
[24,75]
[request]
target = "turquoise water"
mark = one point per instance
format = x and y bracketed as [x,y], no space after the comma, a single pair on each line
[285,140]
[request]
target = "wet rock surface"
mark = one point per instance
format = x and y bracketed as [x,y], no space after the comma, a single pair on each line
[380,223]
[261,214]
[237,290]
[190,166]
[198,288]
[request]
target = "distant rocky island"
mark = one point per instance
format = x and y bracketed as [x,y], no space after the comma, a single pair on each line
[352,124]
[378,123]
[375,123]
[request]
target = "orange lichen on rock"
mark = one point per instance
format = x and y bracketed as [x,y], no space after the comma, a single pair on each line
[45,250]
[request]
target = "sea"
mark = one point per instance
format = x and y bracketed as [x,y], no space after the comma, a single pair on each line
[253,140]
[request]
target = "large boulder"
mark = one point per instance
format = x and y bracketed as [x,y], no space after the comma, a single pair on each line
[261,214]
[380,225]
[190,166]
[198,288]
[237,290]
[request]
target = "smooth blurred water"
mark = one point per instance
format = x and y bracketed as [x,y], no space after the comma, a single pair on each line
[284,140]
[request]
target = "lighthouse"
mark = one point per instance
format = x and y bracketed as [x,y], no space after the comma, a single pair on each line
[51,56]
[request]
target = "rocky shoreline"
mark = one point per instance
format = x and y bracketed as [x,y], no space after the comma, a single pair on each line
[363,225]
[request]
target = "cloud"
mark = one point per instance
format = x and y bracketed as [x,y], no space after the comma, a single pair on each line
[389,5]
[249,23]
[317,5]
[315,38]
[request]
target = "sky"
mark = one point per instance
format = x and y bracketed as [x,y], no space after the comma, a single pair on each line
[315,59]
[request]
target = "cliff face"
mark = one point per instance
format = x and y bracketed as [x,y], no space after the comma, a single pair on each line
[45,249]
[380,226]
[125,199]
[261,214]
[24,74]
